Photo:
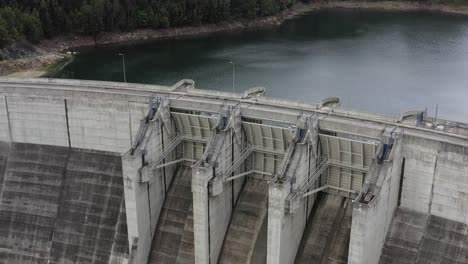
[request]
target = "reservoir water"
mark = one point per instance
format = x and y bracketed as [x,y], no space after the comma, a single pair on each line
[385,62]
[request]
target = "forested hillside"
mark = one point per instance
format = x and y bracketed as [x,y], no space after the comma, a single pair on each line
[36,19]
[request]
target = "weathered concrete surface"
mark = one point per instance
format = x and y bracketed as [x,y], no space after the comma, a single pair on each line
[173,239]
[137,208]
[420,162]
[105,122]
[415,237]
[106,116]
[435,179]
[89,209]
[61,205]
[145,184]
[37,120]
[246,223]
[215,201]
[404,237]
[340,249]
[4,125]
[30,197]
[286,227]
[4,150]
[201,212]
[371,218]
[135,98]
[326,238]
[450,187]
[260,251]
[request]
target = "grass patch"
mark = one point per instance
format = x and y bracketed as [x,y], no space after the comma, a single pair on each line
[52,69]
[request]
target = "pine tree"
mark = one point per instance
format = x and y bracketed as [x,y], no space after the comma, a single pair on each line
[4,36]
[11,22]
[32,28]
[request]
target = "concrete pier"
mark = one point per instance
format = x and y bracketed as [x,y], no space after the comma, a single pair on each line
[101,172]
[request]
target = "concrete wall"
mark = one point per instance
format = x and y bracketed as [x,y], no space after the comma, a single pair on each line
[137,208]
[450,191]
[285,229]
[106,122]
[201,217]
[37,120]
[4,123]
[160,179]
[220,214]
[420,162]
[144,200]
[276,203]
[370,222]
[221,205]
[218,198]
[435,178]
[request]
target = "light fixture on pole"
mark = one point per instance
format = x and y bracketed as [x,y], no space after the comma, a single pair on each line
[123,66]
[233,76]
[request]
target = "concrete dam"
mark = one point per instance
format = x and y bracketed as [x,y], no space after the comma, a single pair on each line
[102,172]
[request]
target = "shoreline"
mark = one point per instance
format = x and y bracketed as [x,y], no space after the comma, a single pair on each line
[61,44]
[37,66]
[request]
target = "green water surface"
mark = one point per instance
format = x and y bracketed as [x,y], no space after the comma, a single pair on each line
[375,61]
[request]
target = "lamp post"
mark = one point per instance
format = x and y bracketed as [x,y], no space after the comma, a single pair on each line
[233,76]
[123,66]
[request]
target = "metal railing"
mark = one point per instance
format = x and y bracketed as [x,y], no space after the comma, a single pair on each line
[167,150]
[302,190]
[238,161]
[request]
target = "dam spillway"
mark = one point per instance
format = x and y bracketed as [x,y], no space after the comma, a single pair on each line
[101,172]
[61,205]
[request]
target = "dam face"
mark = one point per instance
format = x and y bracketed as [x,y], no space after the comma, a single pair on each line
[101,172]
[62,205]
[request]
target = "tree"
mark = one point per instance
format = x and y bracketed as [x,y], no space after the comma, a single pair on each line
[11,23]
[153,19]
[86,19]
[164,18]
[4,36]
[142,19]
[268,7]
[32,28]
[244,8]
[46,19]
[35,19]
